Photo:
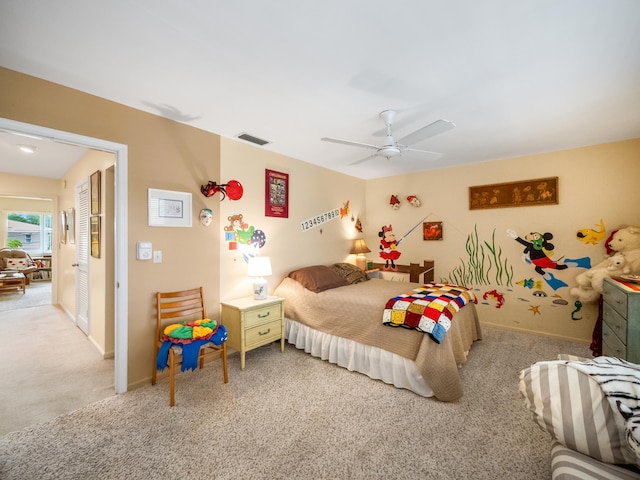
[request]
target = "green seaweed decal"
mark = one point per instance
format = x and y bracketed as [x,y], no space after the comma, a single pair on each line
[484,266]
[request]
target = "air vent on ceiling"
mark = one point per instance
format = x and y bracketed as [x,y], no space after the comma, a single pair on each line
[252,139]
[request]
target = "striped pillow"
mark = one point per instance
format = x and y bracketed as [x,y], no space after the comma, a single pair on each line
[571,407]
[567,464]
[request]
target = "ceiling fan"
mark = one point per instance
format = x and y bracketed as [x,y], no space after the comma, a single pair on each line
[393,148]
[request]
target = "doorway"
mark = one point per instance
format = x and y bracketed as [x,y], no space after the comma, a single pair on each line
[120,230]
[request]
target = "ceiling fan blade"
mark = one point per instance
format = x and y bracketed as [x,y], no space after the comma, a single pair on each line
[435,128]
[415,153]
[347,142]
[362,160]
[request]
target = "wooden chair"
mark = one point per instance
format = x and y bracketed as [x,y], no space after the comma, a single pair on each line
[178,307]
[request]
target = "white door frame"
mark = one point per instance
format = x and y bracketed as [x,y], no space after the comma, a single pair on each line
[120,152]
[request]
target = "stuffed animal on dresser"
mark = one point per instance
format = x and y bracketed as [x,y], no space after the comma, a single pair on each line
[625,245]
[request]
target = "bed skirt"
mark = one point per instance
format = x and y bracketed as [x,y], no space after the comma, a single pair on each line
[372,361]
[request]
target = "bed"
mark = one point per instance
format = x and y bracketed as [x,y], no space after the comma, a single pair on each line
[335,313]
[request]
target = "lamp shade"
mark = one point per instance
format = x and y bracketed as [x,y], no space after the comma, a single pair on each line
[359,246]
[259,267]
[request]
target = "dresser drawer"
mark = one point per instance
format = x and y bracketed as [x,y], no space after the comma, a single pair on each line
[263,333]
[611,344]
[616,298]
[259,316]
[616,323]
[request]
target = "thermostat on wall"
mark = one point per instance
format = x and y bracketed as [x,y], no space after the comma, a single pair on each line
[143,250]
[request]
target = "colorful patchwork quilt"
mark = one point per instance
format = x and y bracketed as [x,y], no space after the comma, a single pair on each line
[428,309]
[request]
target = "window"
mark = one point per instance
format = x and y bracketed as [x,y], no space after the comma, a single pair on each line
[33,231]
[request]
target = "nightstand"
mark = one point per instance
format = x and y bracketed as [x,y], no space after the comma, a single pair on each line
[620,321]
[373,273]
[253,323]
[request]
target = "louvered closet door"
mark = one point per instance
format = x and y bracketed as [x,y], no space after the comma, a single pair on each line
[82,256]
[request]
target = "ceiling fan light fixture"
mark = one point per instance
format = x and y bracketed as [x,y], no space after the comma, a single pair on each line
[389,151]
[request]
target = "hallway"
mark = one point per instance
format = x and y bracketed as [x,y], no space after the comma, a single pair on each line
[49,368]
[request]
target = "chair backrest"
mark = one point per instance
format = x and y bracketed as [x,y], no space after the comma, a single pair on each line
[178,307]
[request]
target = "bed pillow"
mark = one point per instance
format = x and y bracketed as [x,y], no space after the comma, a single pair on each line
[318,278]
[570,405]
[350,272]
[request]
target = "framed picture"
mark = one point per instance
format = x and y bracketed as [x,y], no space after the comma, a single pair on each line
[95,192]
[71,225]
[169,209]
[432,230]
[95,236]
[540,191]
[276,192]
[63,227]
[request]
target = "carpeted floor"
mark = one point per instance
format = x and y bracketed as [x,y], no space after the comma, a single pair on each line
[36,294]
[48,367]
[289,415]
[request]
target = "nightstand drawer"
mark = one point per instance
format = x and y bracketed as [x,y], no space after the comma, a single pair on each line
[616,298]
[615,322]
[263,333]
[611,344]
[261,315]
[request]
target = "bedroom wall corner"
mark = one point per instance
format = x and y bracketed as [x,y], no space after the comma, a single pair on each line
[595,182]
[313,190]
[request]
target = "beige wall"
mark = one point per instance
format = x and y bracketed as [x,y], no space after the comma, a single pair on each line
[313,191]
[167,155]
[162,154]
[598,182]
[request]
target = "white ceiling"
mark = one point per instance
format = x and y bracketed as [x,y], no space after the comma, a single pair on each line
[517,77]
[50,160]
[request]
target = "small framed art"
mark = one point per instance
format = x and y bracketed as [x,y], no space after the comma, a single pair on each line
[168,208]
[63,226]
[95,236]
[95,192]
[71,225]
[540,191]
[276,202]
[432,230]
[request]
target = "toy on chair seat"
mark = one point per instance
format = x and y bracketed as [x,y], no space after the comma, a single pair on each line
[192,336]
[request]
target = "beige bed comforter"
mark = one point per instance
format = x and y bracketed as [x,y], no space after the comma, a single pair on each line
[355,312]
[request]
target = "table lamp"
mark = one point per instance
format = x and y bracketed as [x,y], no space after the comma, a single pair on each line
[359,249]
[259,267]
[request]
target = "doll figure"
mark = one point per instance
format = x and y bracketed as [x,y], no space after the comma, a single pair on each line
[388,244]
